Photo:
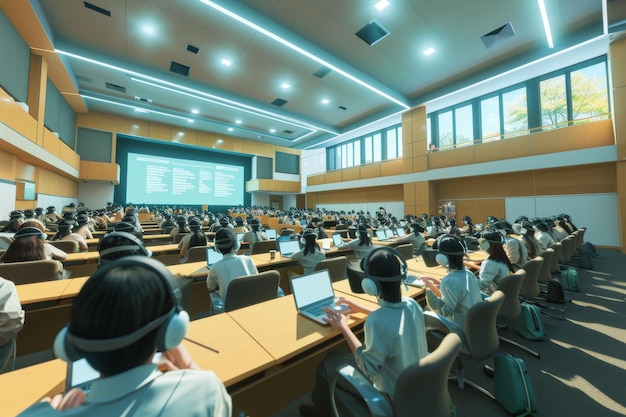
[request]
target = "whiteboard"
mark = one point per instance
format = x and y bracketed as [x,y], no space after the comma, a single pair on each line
[597,212]
[8,191]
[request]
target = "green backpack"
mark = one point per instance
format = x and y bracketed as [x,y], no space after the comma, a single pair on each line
[569,279]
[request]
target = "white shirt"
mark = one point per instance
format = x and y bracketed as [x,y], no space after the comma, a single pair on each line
[11,313]
[491,272]
[309,261]
[459,292]
[224,271]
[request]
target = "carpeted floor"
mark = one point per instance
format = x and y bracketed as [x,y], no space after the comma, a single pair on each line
[582,367]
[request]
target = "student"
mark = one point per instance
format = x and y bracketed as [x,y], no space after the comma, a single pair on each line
[526,230]
[227,269]
[11,315]
[515,249]
[16,218]
[394,334]
[65,233]
[82,226]
[496,266]
[125,312]
[318,225]
[415,238]
[117,245]
[362,245]
[255,234]
[543,236]
[195,237]
[181,227]
[458,290]
[311,254]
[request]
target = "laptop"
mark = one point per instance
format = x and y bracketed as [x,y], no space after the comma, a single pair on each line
[389,233]
[288,247]
[271,233]
[239,236]
[312,293]
[212,256]
[381,235]
[400,231]
[337,240]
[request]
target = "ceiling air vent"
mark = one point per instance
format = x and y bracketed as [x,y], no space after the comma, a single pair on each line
[116,87]
[373,32]
[179,68]
[279,102]
[343,108]
[495,36]
[193,49]
[97,9]
[143,100]
[287,132]
[322,72]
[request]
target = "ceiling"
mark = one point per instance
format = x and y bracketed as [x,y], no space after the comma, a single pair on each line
[120,52]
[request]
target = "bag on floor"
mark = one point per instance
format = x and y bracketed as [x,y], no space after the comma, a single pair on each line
[569,279]
[529,324]
[513,389]
[588,247]
[555,292]
[584,259]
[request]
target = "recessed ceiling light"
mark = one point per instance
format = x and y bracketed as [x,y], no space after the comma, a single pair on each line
[195,111]
[381,5]
[230,129]
[181,133]
[219,141]
[325,101]
[285,86]
[226,62]
[272,130]
[138,110]
[238,121]
[148,29]
[190,120]
[429,51]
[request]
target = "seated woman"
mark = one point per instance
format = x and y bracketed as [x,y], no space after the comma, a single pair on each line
[52,252]
[82,226]
[311,254]
[255,234]
[181,227]
[458,290]
[415,238]
[496,266]
[526,230]
[196,237]
[394,334]
[28,245]
[66,233]
[227,269]
[126,312]
[362,245]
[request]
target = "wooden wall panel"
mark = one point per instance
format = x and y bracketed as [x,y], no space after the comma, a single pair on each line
[478,210]
[584,179]
[51,143]
[370,171]
[333,176]
[8,165]
[316,179]
[498,185]
[25,171]
[393,167]
[502,149]
[160,131]
[582,136]
[351,174]
[50,183]
[452,157]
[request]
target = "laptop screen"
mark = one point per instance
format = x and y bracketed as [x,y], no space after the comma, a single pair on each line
[311,288]
[288,247]
[337,240]
[381,235]
[212,256]
[389,233]
[400,231]
[271,233]
[239,236]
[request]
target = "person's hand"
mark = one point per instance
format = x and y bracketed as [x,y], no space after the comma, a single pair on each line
[351,307]
[432,284]
[177,358]
[72,399]
[336,318]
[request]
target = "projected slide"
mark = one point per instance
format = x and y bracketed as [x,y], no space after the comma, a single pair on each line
[161,180]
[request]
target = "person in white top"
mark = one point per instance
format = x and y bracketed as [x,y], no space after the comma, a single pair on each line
[497,264]
[311,254]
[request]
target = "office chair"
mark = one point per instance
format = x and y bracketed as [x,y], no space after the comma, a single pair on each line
[196,254]
[545,274]
[554,264]
[7,356]
[480,339]
[27,272]
[421,389]
[428,255]
[337,267]
[67,246]
[511,308]
[251,289]
[263,246]
[406,250]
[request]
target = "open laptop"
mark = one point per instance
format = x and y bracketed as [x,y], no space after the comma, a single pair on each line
[312,293]
[212,256]
[381,235]
[271,233]
[400,231]
[239,236]
[288,247]
[389,233]
[337,240]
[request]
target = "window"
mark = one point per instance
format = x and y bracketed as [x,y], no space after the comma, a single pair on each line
[394,143]
[490,118]
[429,135]
[446,133]
[357,153]
[378,147]
[515,112]
[553,102]
[464,125]
[589,92]
[368,150]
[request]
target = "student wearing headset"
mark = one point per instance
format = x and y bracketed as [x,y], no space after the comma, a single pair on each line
[126,312]
[311,254]
[415,238]
[195,237]
[496,266]
[255,234]
[394,334]
[231,266]
[362,245]
[458,290]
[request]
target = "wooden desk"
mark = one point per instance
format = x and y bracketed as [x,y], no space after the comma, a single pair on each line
[39,292]
[342,289]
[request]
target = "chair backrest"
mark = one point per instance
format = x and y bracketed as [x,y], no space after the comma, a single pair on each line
[510,286]
[422,388]
[554,263]
[337,267]
[179,236]
[251,289]
[481,334]
[196,254]
[566,249]
[428,255]
[7,356]
[67,246]
[569,243]
[406,250]
[530,285]
[355,276]
[471,242]
[545,274]
[28,272]
[263,246]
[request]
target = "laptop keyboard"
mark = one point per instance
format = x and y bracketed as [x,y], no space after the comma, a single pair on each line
[318,309]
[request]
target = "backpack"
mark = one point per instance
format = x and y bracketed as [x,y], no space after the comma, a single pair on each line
[555,292]
[569,279]
[588,247]
[513,389]
[529,324]
[585,254]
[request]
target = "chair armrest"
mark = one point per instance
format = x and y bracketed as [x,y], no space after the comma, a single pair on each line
[351,378]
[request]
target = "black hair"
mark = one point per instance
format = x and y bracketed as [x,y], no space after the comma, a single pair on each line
[198,238]
[310,243]
[386,264]
[120,302]
[364,236]
[454,248]
[111,241]
[225,240]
